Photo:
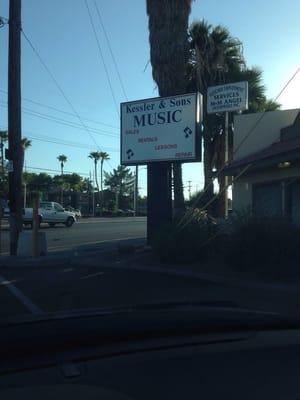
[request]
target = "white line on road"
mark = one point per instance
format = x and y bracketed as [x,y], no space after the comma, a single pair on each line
[92,275]
[75,247]
[33,308]
[110,221]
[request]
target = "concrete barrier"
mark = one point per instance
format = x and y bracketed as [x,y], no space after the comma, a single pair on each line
[25,244]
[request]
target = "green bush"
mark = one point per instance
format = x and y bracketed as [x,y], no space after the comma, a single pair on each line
[266,245]
[185,244]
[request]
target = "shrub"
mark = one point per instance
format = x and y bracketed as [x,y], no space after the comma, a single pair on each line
[184,244]
[267,245]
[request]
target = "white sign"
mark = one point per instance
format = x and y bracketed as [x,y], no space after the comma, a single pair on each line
[229,97]
[161,129]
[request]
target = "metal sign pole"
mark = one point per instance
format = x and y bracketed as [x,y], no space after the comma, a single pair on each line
[225,162]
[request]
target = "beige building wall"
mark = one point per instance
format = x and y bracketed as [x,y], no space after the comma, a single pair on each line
[264,135]
[242,188]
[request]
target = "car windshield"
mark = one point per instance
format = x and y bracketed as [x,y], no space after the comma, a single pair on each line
[151,157]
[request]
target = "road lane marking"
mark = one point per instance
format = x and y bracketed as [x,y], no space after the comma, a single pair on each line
[33,308]
[74,247]
[109,221]
[92,275]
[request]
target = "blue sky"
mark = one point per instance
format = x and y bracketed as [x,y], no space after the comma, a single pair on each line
[61,32]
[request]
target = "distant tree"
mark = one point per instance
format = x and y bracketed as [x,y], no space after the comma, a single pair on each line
[96,156]
[3,140]
[37,182]
[62,159]
[120,182]
[103,157]
[72,181]
[25,144]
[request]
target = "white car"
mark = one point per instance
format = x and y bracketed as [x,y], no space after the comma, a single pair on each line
[75,211]
[51,213]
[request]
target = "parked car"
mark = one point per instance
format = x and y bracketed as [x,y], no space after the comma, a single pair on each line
[76,211]
[6,212]
[51,213]
[130,213]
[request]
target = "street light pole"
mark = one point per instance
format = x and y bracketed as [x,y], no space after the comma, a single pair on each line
[14,123]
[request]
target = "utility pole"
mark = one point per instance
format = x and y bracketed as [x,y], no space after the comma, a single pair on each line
[190,188]
[14,123]
[136,190]
[225,196]
[93,192]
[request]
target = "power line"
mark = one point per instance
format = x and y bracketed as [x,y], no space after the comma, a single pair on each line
[60,89]
[63,111]
[110,50]
[101,56]
[264,113]
[56,170]
[54,140]
[67,143]
[64,122]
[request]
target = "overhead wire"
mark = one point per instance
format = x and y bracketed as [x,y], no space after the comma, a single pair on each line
[63,111]
[66,143]
[102,56]
[50,139]
[56,170]
[60,89]
[110,49]
[62,121]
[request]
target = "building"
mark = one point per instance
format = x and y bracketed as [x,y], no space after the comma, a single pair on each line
[267,153]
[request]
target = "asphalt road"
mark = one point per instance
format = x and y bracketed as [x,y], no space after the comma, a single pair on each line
[96,282]
[86,232]
[102,283]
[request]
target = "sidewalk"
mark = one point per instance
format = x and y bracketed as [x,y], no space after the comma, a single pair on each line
[209,273]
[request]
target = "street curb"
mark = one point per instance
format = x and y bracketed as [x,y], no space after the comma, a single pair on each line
[75,257]
[217,280]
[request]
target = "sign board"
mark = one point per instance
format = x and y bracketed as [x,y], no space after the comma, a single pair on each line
[229,97]
[161,129]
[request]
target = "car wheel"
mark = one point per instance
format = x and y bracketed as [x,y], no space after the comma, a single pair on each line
[70,221]
[51,224]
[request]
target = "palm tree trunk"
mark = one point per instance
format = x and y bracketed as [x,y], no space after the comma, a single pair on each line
[96,179]
[168,25]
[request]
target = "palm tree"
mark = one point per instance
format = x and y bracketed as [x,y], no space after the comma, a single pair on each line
[103,156]
[168,25]
[62,159]
[216,58]
[25,144]
[96,156]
